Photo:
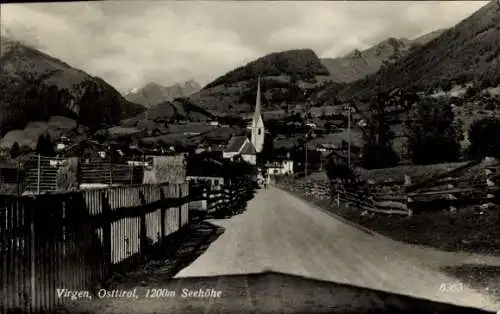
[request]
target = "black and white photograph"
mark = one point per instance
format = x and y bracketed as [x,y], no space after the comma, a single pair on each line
[295,157]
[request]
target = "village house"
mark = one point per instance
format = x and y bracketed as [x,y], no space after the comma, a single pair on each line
[203,169]
[311,125]
[62,143]
[85,149]
[277,168]
[241,145]
[326,147]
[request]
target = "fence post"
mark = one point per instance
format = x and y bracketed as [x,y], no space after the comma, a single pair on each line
[18,178]
[110,171]
[179,197]
[227,194]
[106,231]
[38,175]
[407,181]
[142,232]
[162,213]
[32,256]
[132,174]
[78,172]
[204,197]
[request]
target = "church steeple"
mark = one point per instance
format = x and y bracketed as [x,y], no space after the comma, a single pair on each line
[258,122]
[257,114]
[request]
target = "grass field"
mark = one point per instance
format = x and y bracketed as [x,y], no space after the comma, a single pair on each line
[416,172]
[56,126]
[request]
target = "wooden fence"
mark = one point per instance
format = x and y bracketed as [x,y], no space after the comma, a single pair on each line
[475,183]
[215,198]
[73,240]
[48,174]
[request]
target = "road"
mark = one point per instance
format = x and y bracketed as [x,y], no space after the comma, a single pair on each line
[283,233]
[279,232]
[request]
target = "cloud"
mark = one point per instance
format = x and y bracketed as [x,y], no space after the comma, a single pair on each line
[131,43]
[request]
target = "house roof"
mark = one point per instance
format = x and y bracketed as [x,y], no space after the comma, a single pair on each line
[248,149]
[204,168]
[235,144]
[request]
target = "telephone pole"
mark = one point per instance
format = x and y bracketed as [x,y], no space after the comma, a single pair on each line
[349,110]
[305,148]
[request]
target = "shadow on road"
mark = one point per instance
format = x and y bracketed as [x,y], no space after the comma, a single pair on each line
[484,278]
[176,253]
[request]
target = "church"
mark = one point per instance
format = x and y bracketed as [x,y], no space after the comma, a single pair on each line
[242,145]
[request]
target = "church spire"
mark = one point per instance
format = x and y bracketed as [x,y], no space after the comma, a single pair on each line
[257,113]
[257,123]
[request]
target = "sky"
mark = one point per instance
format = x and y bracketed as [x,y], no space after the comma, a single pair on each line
[131,43]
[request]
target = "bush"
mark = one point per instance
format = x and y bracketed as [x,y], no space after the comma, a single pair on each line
[484,138]
[434,136]
[15,150]
[377,156]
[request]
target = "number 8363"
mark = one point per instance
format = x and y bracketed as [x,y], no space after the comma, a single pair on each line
[451,287]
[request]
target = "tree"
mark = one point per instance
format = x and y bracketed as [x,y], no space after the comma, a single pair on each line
[44,146]
[446,85]
[338,172]
[40,144]
[378,136]
[267,153]
[471,91]
[433,134]
[15,150]
[484,138]
[49,146]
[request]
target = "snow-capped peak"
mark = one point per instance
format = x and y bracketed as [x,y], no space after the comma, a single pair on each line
[133,90]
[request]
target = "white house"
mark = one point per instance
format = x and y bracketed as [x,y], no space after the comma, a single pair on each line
[62,143]
[280,167]
[326,147]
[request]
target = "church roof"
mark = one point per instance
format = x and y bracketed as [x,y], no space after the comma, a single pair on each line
[248,149]
[235,144]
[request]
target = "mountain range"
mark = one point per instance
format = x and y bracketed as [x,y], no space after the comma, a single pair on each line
[167,112]
[152,93]
[359,64]
[467,52]
[35,86]
[234,92]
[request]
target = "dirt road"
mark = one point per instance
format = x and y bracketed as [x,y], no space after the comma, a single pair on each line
[283,233]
